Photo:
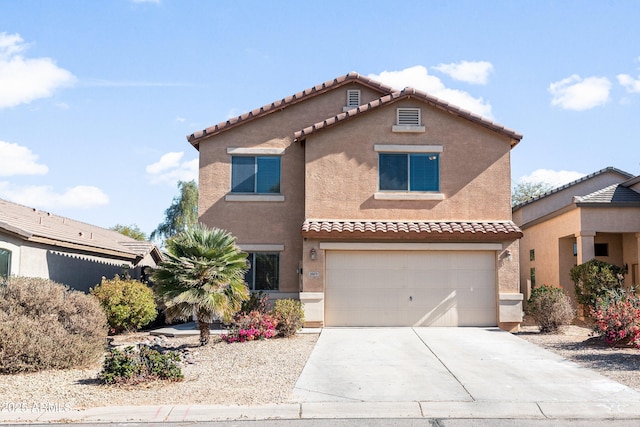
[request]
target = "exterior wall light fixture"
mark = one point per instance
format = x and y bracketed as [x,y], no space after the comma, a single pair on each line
[313,254]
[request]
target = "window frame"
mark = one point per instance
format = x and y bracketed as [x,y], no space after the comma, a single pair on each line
[8,254]
[407,194]
[410,179]
[251,256]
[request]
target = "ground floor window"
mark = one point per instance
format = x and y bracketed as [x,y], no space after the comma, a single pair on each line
[5,263]
[264,271]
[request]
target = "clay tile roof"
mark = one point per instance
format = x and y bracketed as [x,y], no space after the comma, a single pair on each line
[418,230]
[196,137]
[615,194]
[403,94]
[43,227]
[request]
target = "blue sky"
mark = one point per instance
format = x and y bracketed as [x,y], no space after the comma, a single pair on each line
[96,97]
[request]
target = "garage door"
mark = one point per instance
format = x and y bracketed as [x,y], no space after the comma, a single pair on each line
[410,288]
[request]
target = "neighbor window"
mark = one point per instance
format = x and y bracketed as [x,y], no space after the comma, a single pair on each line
[532,276]
[409,171]
[532,254]
[5,263]
[264,271]
[259,174]
[601,249]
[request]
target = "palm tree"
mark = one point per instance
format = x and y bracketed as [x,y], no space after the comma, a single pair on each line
[202,274]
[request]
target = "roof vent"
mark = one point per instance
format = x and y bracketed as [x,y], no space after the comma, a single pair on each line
[409,116]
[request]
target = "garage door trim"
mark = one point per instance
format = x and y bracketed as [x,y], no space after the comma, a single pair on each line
[346,246]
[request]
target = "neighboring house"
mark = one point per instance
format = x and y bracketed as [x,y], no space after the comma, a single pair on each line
[35,243]
[371,205]
[597,216]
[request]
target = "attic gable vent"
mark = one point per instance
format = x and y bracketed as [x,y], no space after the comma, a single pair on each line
[408,120]
[409,116]
[353,99]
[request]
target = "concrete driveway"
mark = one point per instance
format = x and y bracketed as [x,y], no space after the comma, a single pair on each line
[446,365]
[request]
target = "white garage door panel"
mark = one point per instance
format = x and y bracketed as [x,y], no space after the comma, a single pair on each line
[410,288]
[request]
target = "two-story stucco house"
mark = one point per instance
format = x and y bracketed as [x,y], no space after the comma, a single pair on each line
[375,207]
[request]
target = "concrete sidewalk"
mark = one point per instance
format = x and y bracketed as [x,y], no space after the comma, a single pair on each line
[338,410]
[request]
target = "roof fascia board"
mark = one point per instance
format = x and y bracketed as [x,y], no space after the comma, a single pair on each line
[196,137]
[85,248]
[407,93]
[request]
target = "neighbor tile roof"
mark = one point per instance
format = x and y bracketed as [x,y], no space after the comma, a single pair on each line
[403,94]
[436,230]
[615,194]
[43,227]
[351,77]
[626,175]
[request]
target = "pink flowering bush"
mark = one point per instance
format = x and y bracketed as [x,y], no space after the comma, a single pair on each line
[617,318]
[251,326]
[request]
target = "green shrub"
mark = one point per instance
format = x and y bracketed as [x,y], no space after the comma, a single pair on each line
[290,316]
[550,307]
[45,325]
[594,279]
[129,304]
[138,365]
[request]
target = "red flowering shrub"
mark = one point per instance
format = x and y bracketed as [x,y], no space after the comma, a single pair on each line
[251,326]
[617,318]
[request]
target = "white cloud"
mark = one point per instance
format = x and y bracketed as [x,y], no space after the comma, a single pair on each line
[474,72]
[629,83]
[576,93]
[23,80]
[419,78]
[19,160]
[552,177]
[171,169]
[45,197]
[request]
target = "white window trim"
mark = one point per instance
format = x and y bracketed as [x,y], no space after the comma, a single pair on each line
[409,195]
[411,246]
[259,247]
[256,151]
[408,129]
[387,148]
[254,197]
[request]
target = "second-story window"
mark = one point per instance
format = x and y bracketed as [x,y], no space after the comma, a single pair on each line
[409,171]
[255,174]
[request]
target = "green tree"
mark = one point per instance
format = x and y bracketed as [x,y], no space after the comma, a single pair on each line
[132,231]
[524,191]
[202,274]
[182,214]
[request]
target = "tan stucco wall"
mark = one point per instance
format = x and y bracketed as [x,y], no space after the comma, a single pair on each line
[553,241]
[342,169]
[267,222]
[544,239]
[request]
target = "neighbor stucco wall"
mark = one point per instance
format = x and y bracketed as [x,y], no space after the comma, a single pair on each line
[277,223]
[72,268]
[342,169]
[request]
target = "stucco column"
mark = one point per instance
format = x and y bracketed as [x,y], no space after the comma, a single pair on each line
[586,246]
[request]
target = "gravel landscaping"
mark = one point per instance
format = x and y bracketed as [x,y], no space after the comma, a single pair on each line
[249,373]
[577,344]
[260,372]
